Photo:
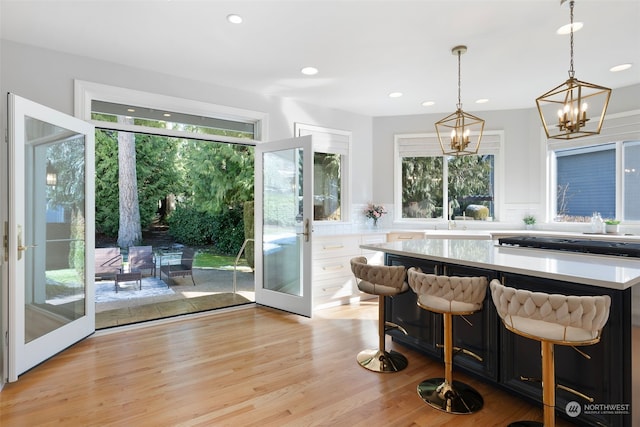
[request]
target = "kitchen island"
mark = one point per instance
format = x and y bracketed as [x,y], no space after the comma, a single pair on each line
[513,362]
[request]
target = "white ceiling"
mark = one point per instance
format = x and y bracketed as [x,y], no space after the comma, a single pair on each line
[363,49]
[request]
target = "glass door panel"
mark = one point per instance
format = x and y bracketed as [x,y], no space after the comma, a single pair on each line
[55,289]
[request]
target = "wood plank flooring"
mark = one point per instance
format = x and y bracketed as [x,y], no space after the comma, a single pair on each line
[252,366]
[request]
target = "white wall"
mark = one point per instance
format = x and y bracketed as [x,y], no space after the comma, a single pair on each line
[47,77]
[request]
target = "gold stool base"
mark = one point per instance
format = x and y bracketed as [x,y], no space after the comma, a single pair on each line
[382,361]
[455,398]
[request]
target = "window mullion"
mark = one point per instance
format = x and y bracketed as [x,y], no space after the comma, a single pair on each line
[446,208]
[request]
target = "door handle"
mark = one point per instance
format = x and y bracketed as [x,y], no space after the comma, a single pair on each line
[305,230]
[22,248]
[5,241]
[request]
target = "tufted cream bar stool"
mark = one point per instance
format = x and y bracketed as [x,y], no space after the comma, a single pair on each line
[550,319]
[383,281]
[449,295]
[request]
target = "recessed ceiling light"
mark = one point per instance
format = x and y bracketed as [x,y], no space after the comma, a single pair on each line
[482,101]
[234,19]
[566,29]
[395,94]
[167,115]
[131,110]
[428,103]
[309,71]
[620,67]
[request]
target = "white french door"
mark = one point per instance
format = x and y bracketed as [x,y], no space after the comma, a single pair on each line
[50,233]
[284,214]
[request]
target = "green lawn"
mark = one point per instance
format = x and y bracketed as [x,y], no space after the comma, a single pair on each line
[211,260]
[69,276]
[63,276]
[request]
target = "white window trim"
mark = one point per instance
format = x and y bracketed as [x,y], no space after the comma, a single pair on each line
[426,144]
[324,142]
[618,127]
[85,92]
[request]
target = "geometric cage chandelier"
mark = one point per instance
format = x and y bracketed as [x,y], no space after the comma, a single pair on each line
[459,133]
[574,109]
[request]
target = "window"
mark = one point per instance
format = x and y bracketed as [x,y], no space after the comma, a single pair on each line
[599,173]
[151,113]
[330,171]
[586,180]
[432,186]
[164,119]
[327,186]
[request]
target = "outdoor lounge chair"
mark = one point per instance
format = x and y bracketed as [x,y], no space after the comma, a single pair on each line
[142,258]
[180,270]
[108,263]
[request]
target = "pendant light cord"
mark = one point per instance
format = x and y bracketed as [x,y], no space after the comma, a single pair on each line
[571,72]
[459,99]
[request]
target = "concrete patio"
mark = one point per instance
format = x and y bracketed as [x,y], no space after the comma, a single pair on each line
[214,289]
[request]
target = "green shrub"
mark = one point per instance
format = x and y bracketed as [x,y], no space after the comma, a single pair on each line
[224,231]
[228,231]
[190,226]
[249,232]
[477,212]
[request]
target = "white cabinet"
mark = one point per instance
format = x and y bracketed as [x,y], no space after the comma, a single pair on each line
[333,281]
[395,236]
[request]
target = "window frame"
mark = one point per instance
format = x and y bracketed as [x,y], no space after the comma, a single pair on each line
[85,92]
[427,145]
[617,129]
[332,141]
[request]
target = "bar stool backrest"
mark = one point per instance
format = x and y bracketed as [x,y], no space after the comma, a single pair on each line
[562,319]
[379,279]
[452,294]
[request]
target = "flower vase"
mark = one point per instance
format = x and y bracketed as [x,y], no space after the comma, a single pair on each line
[375,223]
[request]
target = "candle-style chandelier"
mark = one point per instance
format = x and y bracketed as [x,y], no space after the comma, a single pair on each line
[574,109]
[459,133]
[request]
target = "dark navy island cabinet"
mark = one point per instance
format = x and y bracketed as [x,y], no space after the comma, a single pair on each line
[512,362]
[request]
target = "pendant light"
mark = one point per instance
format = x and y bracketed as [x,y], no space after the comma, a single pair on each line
[459,133]
[574,109]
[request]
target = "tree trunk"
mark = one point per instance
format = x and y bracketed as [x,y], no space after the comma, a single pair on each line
[129,231]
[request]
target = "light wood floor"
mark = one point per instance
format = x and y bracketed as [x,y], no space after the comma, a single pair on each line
[245,367]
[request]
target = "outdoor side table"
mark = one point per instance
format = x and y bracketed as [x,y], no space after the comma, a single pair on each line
[132,276]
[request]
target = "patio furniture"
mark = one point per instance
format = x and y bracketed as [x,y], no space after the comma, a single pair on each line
[142,258]
[183,269]
[108,262]
[132,276]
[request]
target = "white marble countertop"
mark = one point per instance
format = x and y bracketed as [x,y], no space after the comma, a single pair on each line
[597,270]
[481,234]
